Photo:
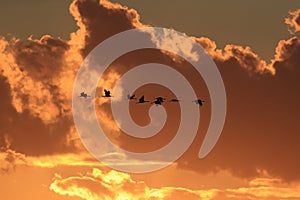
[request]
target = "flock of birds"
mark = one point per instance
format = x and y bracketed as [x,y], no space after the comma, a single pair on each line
[157,101]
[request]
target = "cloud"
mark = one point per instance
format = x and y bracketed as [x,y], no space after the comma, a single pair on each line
[102,19]
[286,55]
[111,184]
[118,185]
[254,86]
[37,76]
[261,132]
[36,109]
[31,68]
[265,188]
[261,117]
[10,159]
[36,79]
[293,21]
[246,58]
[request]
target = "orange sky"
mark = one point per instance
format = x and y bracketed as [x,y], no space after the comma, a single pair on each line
[42,156]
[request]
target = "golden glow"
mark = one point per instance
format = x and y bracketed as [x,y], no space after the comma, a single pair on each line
[36,84]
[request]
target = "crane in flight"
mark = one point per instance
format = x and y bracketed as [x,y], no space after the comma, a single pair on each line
[142,100]
[174,100]
[106,93]
[199,102]
[158,100]
[161,99]
[84,95]
[131,97]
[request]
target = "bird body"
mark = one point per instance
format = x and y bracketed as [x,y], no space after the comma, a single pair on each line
[161,99]
[157,102]
[84,95]
[131,97]
[174,100]
[199,102]
[106,93]
[142,100]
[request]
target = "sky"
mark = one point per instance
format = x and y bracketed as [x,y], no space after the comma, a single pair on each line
[232,22]
[255,46]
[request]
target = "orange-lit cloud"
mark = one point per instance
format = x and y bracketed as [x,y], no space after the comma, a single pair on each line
[118,185]
[39,75]
[293,21]
[246,58]
[10,159]
[31,68]
[99,20]
[265,188]
[36,80]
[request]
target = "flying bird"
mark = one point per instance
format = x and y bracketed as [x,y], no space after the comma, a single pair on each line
[106,93]
[161,99]
[199,102]
[157,102]
[131,97]
[142,100]
[84,95]
[174,100]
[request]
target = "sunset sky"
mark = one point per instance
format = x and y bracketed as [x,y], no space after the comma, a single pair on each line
[256,47]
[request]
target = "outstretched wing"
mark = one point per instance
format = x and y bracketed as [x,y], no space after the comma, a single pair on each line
[142,98]
[107,92]
[200,102]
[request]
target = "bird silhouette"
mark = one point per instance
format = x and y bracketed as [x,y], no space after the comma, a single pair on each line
[142,100]
[157,102]
[174,100]
[106,93]
[199,102]
[131,97]
[161,99]
[84,95]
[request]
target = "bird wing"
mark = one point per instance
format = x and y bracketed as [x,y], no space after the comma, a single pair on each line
[107,92]
[142,98]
